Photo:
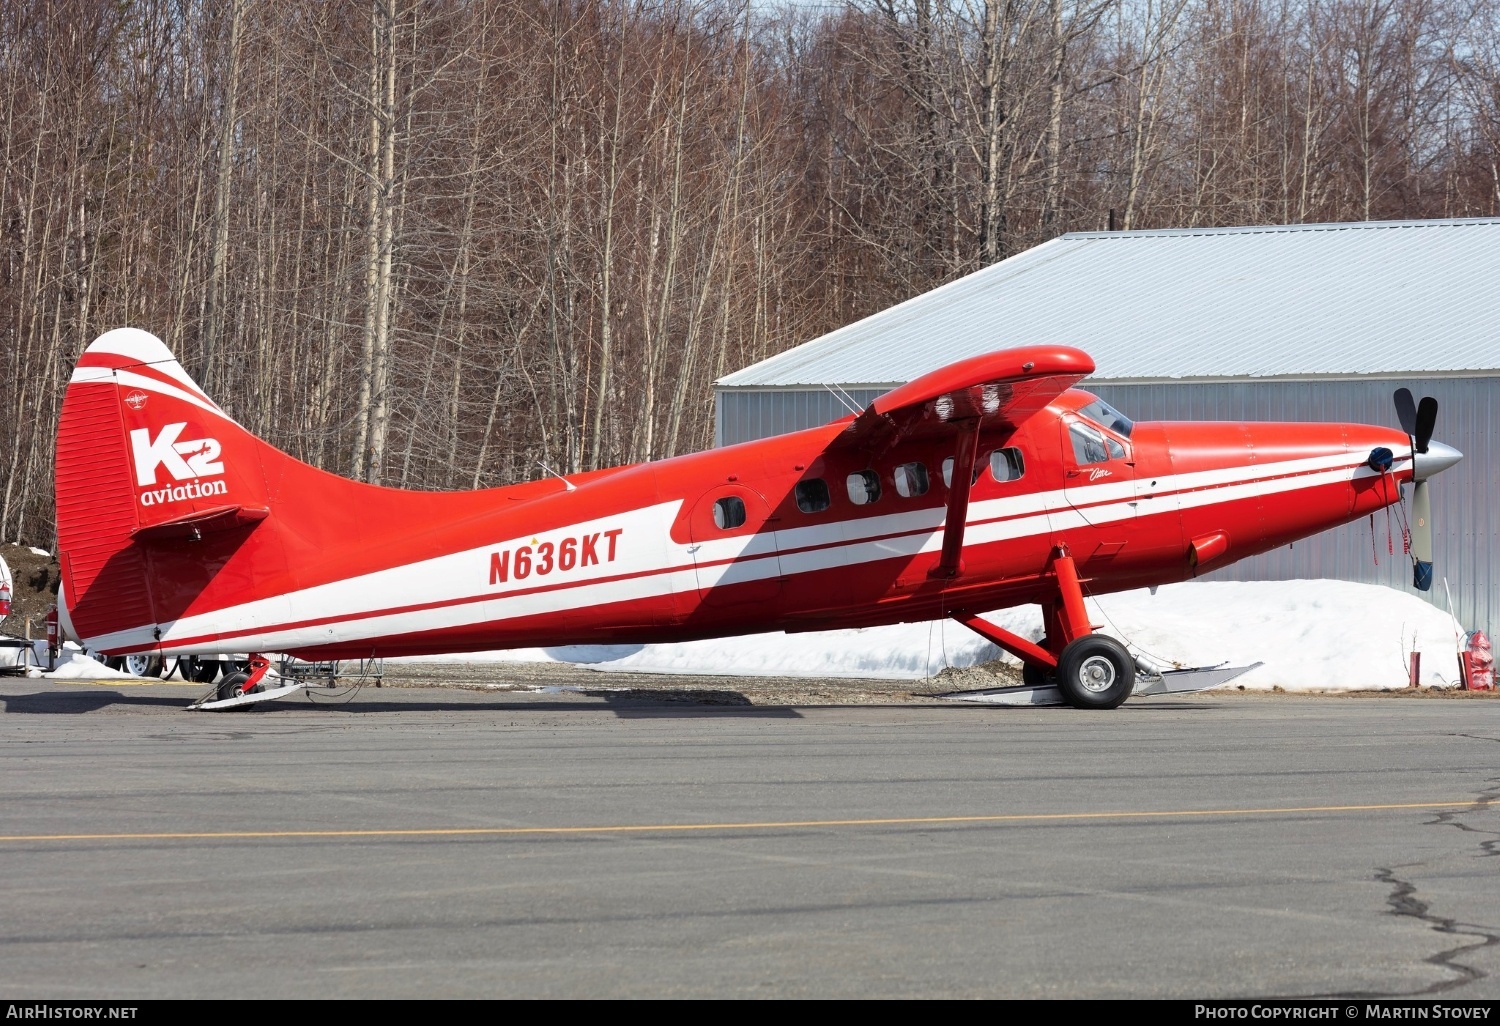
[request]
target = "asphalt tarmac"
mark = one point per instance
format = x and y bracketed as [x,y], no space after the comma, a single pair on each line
[440,842]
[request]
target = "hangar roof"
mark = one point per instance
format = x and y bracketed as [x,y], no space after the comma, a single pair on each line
[1363,298]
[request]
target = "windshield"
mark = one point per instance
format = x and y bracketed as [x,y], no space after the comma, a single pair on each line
[1106,416]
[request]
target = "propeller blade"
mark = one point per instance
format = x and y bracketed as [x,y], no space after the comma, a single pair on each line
[1406,410]
[1426,418]
[1421,537]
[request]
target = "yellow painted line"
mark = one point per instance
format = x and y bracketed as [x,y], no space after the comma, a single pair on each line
[119,681]
[701,827]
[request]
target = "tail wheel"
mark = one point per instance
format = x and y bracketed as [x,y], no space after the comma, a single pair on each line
[1095,672]
[232,686]
[199,671]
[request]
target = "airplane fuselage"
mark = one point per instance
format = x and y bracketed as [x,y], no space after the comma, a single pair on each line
[791,533]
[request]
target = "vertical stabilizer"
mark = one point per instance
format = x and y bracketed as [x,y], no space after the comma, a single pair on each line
[143,457]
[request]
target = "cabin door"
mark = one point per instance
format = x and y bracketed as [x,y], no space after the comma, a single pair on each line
[734,547]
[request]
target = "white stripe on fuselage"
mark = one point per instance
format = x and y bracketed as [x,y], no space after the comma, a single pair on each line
[457,592]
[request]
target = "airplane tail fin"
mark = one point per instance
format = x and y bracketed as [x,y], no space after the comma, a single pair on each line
[180,531]
[145,458]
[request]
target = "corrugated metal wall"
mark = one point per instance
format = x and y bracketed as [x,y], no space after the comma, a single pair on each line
[741,415]
[1467,523]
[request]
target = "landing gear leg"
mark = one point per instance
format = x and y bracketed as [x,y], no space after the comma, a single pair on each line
[1093,671]
[1090,670]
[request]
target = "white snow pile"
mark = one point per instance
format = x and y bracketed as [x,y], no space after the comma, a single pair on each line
[1310,635]
[72,663]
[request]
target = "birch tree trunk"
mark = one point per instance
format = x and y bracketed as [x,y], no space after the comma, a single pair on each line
[213,318]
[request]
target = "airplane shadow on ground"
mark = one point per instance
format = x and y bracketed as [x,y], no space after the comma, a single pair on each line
[649,704]
[639,704]
[76,702]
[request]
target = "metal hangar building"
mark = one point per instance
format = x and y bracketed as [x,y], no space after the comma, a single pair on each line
[1297,322]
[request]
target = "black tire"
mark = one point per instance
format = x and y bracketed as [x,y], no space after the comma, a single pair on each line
[232,686]
[1095,672]
[142,665]
[199,671]
[115,663]
[1035,675]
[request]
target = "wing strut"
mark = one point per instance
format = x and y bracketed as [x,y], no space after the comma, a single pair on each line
[952,563]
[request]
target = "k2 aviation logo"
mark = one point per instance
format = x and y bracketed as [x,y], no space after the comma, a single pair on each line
[188,461]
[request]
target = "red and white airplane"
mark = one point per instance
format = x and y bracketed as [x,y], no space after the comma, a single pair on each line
[989,483]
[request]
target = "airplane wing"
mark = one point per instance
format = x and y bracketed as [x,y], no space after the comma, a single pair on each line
[984,393]
[996,390]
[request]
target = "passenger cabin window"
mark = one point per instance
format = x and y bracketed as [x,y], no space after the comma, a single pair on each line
[948,472]
[864,487]
[1090,446]
[1007,465]
[812,495]
[911,480]
[729,513]
[1106,416]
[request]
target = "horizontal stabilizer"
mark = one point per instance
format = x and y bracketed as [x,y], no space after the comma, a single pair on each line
[203,521]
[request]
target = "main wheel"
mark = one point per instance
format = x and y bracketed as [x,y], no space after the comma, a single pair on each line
[1035,675]
[232,686]
[1095,672]
[199,671]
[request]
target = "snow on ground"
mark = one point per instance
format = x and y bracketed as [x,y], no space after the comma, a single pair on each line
[1311,636]
[72,664]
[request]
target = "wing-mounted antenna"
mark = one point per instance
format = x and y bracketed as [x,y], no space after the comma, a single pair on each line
[567,485]
[843,401]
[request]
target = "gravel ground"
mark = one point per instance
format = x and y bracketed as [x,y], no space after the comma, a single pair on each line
[704,690]
[717,690]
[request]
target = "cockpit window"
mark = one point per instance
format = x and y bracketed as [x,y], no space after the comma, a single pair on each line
[1088,444]
[1106,416]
